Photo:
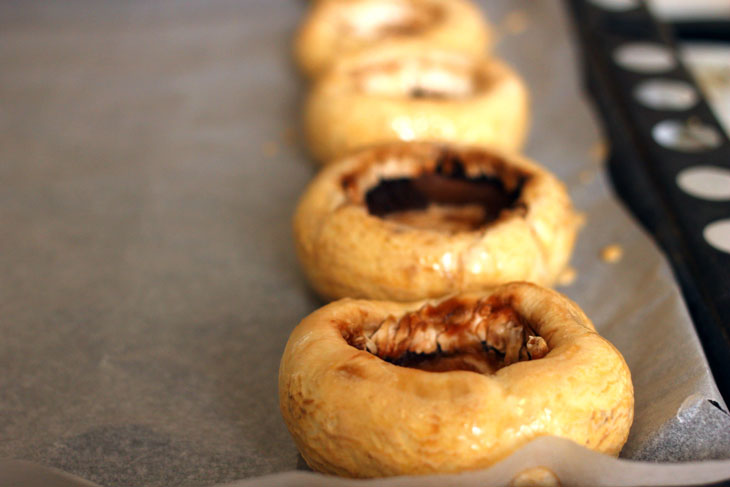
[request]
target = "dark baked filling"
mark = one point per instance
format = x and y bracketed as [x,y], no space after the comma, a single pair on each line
[445,199]
[479,336]
[421,92]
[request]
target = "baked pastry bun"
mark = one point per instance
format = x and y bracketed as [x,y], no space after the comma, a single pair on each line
[375,388]
[336,27]
[408,221]
[413,92]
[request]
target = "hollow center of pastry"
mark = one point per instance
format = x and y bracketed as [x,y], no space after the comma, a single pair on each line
[421,77]
[371,19]
[480,336]
[446,199]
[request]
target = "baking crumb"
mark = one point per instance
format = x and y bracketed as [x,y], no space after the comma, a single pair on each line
[515,22]
[270,149]
[612,253]
[290,135]
[586,176]
[533,476]
[567,276]
[599,151]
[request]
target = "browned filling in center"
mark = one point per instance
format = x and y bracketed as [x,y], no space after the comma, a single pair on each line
[385,18]
[446,199]
[479,336]
[437,76]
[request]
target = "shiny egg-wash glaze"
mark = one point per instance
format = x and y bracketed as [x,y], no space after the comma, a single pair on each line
[334,28]
[355,414]
[412,92]
[348,248]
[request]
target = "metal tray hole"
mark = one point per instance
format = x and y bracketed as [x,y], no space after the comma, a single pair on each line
[717,234]
[706,182]
[686,136]
[662,94]
[645,57]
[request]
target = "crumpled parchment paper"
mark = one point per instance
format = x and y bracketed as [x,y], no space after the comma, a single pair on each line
[150,169]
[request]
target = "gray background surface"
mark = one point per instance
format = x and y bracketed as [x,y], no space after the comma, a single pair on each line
[149,167]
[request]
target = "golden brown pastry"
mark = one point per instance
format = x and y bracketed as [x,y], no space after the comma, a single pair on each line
[414,92]
[375,388]
[408,221]
[336,27]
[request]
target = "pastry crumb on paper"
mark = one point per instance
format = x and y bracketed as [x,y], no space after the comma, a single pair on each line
[599,151]
[535,477]
[612,253]
[270,149]
[586,176]
[567,277]
[290,135]
[515,22]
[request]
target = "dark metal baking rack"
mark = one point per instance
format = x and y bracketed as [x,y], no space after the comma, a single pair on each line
[661,131]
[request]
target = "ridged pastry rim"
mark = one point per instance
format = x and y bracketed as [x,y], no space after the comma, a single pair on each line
[353,414]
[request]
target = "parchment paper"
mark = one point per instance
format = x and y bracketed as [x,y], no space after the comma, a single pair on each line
[148,283]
